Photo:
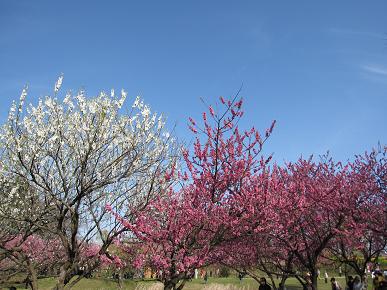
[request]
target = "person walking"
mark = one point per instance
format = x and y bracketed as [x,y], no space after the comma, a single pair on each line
[335,285]
[205,277]
[240,276]
[357,285]
[349,283]
[326,277]
[263,284]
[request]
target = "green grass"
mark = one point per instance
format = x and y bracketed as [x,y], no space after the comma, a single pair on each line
[195,284]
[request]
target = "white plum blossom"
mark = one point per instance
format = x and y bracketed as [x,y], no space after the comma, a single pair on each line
[23,94]
[79,154]
[145,112]
[58,84]
[136,102]
[68,102]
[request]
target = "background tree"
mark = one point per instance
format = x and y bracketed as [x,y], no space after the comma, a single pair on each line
[312,203]
[364,237]
[19,220]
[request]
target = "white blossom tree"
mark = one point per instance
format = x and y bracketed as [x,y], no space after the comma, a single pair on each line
[78,155]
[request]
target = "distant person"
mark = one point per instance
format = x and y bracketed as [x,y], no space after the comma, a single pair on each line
[240,276]
[28,282]
[335,285]
[340,272]
[350,283]
[318,273]
[205,277]
[263,284]
[378,281]
[382,285]
[357,284]
[326,277]
[377,267]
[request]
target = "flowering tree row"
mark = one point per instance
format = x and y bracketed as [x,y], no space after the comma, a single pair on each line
[82,176]
[237,209]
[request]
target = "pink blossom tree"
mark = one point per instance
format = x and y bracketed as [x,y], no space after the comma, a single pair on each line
[257,247]
[319,208]
[364,237]
[313,205]
[20,219]
[257,254]
[32,255]
[183,230]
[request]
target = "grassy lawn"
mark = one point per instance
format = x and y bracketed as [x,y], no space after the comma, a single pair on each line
[195,284]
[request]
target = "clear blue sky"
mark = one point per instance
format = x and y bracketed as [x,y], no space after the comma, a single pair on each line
[319,69]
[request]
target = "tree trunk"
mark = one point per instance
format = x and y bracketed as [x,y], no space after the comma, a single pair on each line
[303,284]
[314,280]
[346,273]
[169,286]
[60,282]
[119,278]
[271,277]
[173,282]
[281,285]
[63,278]
[33,276]
[181,286]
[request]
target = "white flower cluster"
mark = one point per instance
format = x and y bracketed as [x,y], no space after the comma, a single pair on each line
[83,147]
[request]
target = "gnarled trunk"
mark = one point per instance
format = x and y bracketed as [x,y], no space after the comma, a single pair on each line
[173,283]
[66,273]
[169,286]
[32,275]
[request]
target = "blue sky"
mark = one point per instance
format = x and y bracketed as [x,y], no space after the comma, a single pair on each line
[318,67]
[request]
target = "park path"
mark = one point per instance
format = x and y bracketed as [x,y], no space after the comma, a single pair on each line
[212,286]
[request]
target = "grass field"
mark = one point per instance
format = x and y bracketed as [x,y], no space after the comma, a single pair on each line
[195,284]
